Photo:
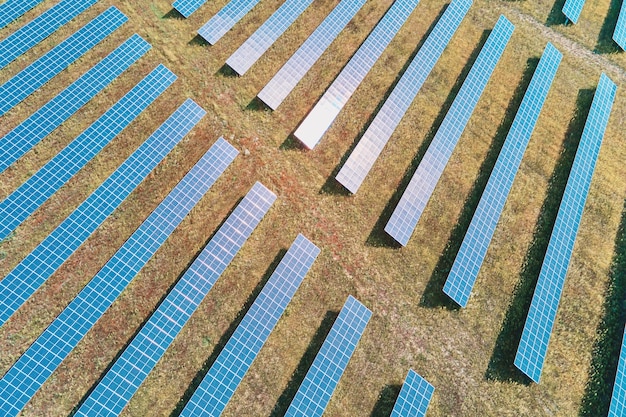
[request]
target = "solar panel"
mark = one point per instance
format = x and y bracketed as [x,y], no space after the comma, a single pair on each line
[187,7]
[42,358]
[618,399]
[58,58]
[478,236]
[414,397]
[419,190]
[377,135]
[11,10]
[309,52]
[533,345]
[619,35]
[572,9]
[225,19]
[331,361]
[314,126]
[260,41]
[22,202]
[40,28]
[50,254]
[129,371]
[32,130]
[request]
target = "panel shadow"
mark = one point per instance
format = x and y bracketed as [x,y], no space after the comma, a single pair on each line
[386,400]
[605,43]
[556,16]
[173,14]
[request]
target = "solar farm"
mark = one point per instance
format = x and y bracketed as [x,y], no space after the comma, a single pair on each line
[379,208]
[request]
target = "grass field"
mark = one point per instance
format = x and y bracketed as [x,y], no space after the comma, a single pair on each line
[466,354]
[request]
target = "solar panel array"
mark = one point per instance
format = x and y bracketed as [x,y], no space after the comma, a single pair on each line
[377,135]
[42,358]
[22,202]
[279,87]
[225,19]
[618,399]
[226,373]
[331,361]
[40,28]
[265,36]
[50,254]
[619,35]
[417,194]
[314,126]
[414,397]
[482,227]
[572,9]
[187,7]
[129,371]
[11,10]
[50,116]
[533,345]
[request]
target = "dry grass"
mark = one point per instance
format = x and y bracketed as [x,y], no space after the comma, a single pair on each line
[465,353]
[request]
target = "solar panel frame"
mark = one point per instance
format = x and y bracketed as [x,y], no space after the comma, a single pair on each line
[533,345]
[187,7]
[331,361]
[28,197]
[290,74]
[415,197]
[619,34]
[572,9]
[414,397]
[41,359]
[618,397]
[31,78]
[65,239]
[52,114]
[225,19]
[362,159]
[12,10]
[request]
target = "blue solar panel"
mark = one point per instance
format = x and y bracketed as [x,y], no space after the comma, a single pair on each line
[50,254]
[619,35]
[187,7]
[40,28]
[417,194]
[379,131]
[37,189]
[225,19]
[414,397]
[260,41]
[331,361]
[533,346]
[13,9]
[476,242]
[225,375]
[57,59]
[618,399]
[32,130]
[572,9]
[303,59]
[36,365]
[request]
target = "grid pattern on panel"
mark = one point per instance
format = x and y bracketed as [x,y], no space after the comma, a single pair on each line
[225,19]
[40,28]
[251,50]
[414,397]
[121,382]
[572,9]
[619,35]
[57,59]
[618,399]
[50,254]
[409,210]
[37,189]
[42,358]
[473,250]
[187,7]
[11,10]
[533,345]
[331,361]
[224,376]
[326,110]
[377,135]
[279,87]
[50,116]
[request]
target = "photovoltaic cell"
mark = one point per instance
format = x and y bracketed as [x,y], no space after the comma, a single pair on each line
[13,9]
[414,397]
[619,35]
[40,28]
[50,254]
[225,19]
[331,361]
[417,194]
[187,7]
[533,345]
[572,9]
[59,58]
[225,375]
[478,236]
[260,41]
[37,189]
[377,135]
[618,399]
[43,357]
[303,59]
[326,110]
[32,130]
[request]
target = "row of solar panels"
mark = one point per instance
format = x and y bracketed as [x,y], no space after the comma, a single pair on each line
[573,8]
